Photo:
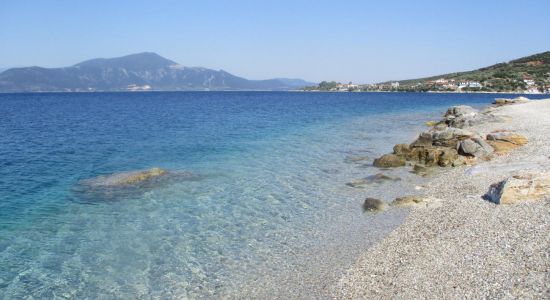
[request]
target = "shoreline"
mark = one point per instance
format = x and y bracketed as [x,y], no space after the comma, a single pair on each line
[468,246]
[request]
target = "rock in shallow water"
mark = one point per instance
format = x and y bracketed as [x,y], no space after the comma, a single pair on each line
[126,184]
[419,201]
[377,178]
[389,161]
[373,204]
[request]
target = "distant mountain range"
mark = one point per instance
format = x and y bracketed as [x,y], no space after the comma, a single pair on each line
[136,72]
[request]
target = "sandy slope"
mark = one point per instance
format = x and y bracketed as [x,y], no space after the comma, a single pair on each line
[468,247]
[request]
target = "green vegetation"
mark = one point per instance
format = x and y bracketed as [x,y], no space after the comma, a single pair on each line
[513,76]
[528,74]
[323,86]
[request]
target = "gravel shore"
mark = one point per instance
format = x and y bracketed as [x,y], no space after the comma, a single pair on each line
[468,247]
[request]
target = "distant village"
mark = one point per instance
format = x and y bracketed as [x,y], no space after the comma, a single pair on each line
[527,86]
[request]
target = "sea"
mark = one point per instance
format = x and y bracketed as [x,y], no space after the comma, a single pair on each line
[257,201]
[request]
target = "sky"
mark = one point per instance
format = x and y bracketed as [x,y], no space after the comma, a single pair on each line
[358,41]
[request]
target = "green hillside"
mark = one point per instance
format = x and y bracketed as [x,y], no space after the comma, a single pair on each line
[531,72]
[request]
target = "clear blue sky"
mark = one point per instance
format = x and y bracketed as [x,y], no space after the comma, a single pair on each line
[359,41]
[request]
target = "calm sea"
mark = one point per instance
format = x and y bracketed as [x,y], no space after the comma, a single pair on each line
[265,210]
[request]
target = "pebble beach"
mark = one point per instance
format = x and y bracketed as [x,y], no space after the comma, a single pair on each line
[467,246]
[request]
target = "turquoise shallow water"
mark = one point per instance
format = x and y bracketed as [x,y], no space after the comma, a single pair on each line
[267,210]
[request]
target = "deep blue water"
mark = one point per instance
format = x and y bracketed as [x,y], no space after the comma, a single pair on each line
[268,200]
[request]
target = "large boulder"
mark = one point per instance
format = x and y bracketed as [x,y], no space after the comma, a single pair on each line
[389,161]
[461,116]
[450,137]
[460,110]
[373,204]
[520,188]
[475,147]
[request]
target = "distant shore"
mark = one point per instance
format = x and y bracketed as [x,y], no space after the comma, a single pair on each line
[468,246]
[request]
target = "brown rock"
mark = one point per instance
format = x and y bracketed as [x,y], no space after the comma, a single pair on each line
[428,156]
[389,161]
[520,188]
[423,140]
[373,204]
[509,137]
[448,157]
[408,201]
[401,150]
[502,147]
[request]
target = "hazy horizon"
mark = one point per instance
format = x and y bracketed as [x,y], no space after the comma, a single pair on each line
[347,41]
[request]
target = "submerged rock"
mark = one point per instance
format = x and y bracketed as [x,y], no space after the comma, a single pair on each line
[355,159]
[422,170]
[389,161]
[126,178]
[376,179]
[520,188]
[126,184]
[373,204]
[420,201]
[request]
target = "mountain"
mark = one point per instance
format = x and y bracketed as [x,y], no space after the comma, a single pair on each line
[526,74]
[135,72]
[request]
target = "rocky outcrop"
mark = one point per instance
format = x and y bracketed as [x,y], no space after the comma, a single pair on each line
[389,161]
[520,188]
[373,204]
[448,144]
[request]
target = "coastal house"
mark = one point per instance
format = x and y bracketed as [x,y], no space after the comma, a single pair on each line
[395,84]
[529,82]
[469,84]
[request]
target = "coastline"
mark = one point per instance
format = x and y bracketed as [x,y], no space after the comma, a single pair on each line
[468,246]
